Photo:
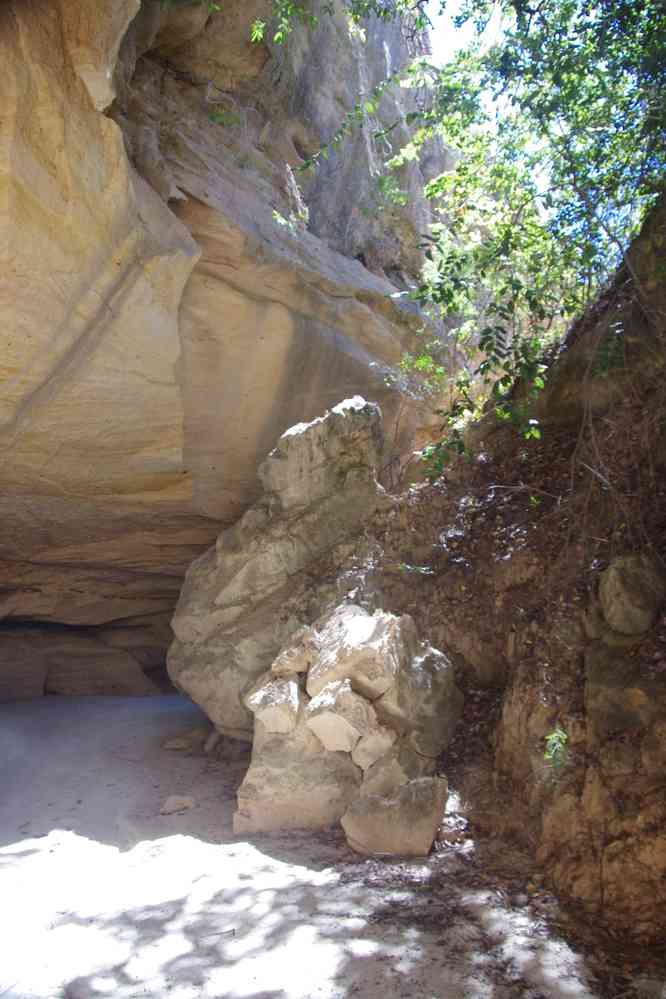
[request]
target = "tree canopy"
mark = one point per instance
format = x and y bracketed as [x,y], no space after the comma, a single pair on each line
[559,131]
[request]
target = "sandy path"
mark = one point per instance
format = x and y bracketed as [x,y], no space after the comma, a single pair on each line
[103,897]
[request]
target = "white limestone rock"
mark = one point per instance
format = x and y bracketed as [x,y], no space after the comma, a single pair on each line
[372,746]
[230,623]
[275,702]
[339,717]
[297,658]
[294,783]
[368,649]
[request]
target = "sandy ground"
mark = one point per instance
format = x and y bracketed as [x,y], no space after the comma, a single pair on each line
[101,896]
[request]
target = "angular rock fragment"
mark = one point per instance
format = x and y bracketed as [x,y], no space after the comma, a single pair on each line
[298,657]
[275,702]
[312,460]
[424,702]
[371,747]
[400,765]
[294,783]
[368,649]
[339,717]
[176,803]
[403,824]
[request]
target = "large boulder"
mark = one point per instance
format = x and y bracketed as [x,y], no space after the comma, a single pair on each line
[294,783]
[342,699]
[403,823]
[326,753]
[240,602]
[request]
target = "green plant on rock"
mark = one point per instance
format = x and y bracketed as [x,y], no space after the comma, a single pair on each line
[456,417]
[556,752]
[288,13]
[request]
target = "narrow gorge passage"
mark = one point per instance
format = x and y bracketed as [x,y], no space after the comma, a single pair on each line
[111,899]
[252,250]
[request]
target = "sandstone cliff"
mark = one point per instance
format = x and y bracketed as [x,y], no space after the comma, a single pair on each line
[169,308]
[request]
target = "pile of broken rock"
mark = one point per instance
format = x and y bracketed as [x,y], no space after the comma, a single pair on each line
[350,710]
[349,722]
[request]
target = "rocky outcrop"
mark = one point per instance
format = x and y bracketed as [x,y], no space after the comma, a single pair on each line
[345,706]
[599,800]
[244,598]
[168,308]
[352,736]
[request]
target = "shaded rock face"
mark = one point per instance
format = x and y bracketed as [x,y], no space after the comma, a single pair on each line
[600,807]
[56,660]
[403,823]
[167,312]
[631,592]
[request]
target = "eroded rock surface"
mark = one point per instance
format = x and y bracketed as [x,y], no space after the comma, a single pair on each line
[36,661]
[337,761]
[168,309]
[631,591]
[403,822]
[347,702]
[245,597]
[600,799]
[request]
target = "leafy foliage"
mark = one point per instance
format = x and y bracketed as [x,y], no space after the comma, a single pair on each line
[589,80]
[559,136]
[287,13]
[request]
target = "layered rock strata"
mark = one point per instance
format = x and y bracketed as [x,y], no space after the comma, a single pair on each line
[168,307]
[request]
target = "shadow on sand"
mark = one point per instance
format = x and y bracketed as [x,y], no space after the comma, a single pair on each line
[111,900]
